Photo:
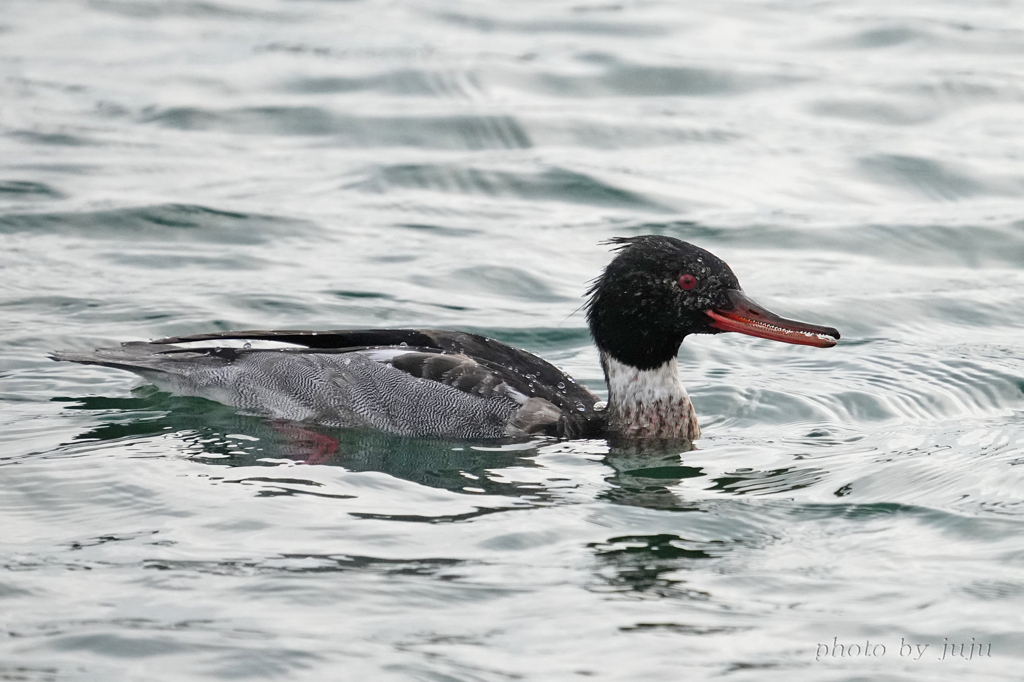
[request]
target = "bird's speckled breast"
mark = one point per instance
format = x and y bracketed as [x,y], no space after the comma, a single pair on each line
[648,403]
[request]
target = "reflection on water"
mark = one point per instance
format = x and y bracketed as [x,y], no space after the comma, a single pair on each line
[217,435]
[650,566]
[646,473]
[749,482]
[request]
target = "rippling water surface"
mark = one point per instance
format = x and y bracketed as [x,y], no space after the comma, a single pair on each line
[173,166]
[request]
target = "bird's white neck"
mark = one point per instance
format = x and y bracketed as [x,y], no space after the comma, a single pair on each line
[648,403]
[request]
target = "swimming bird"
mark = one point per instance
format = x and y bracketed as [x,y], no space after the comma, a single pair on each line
[423,382]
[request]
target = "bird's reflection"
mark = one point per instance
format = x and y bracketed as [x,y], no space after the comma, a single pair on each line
[642,474]
[220,436]
[645,473]
[648,565]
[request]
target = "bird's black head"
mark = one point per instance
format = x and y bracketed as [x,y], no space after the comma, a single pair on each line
[659,289]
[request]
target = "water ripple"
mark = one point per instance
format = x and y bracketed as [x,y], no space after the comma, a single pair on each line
[166,222]
[17,189]
[437,132]
[555,184]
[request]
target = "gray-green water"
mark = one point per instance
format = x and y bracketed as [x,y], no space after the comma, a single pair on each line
[174,166]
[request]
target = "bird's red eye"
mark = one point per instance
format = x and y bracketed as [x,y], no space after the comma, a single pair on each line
[687,282]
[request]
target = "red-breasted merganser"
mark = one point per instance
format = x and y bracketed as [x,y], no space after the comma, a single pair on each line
[415,382]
